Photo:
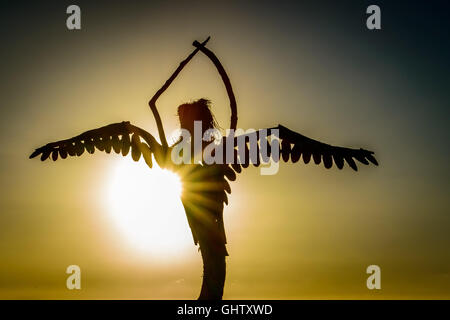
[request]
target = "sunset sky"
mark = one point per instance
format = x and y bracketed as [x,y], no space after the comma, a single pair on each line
[304,233]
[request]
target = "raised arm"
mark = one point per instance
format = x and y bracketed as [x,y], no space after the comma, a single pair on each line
[225,79]
[152,102]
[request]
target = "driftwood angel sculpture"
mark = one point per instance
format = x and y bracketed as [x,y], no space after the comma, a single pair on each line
[205,186]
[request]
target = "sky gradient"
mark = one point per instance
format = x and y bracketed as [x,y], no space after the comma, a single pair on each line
[312,66]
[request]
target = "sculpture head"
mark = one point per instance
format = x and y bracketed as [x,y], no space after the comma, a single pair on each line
[198,110]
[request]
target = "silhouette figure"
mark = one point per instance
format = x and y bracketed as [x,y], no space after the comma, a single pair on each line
[205,187]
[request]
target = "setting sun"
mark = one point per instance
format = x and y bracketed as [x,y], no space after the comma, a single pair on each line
[146,207]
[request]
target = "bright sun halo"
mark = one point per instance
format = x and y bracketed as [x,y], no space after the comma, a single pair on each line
[146,207]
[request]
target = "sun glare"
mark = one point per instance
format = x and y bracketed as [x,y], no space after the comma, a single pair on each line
[146,207]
